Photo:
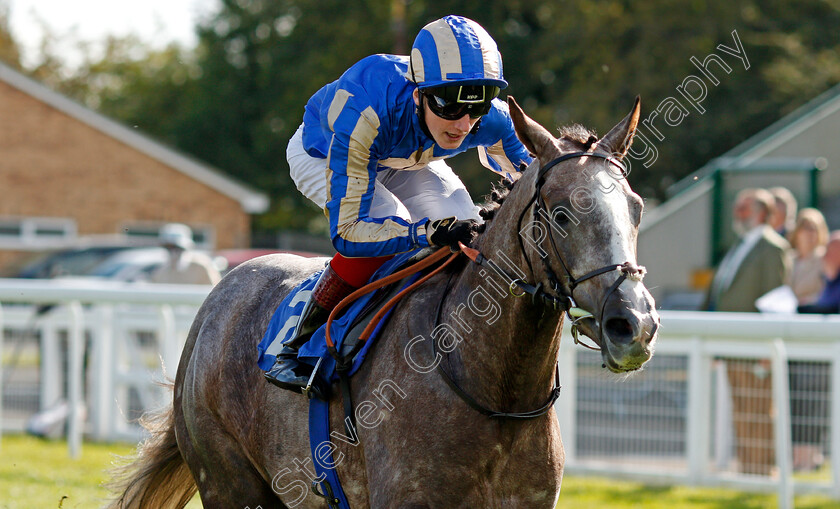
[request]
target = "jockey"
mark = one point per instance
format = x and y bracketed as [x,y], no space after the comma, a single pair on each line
[371,152]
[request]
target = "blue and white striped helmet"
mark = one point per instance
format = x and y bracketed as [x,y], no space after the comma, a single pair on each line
[455,50]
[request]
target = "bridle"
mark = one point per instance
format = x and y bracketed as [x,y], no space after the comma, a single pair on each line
[563,292]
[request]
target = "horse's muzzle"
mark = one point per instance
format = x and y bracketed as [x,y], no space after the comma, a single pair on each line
[629,332]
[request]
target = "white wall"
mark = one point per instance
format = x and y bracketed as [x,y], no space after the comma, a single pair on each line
[817,135]
[674,239]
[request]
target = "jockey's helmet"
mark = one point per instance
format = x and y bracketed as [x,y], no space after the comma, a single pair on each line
[457,66]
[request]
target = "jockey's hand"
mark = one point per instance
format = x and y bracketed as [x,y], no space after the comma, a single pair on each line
[450,231]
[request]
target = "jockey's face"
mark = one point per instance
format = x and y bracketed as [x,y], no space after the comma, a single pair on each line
[448,134]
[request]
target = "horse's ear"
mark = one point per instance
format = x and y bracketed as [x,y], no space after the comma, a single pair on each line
[617,141]
[535,137]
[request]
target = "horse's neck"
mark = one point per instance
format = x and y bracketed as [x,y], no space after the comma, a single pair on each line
[510,347]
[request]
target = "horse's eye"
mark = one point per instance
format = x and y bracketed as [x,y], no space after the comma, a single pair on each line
[562,216]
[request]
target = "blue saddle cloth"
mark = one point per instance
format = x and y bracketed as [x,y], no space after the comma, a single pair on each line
[282,325]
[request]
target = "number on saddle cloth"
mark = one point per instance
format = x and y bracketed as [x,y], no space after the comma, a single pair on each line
[283,322]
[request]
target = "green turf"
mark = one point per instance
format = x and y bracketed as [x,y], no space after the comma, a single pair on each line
[39,474]
[36,474]
[600,493]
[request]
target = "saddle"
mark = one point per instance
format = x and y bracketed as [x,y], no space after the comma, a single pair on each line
[345,329]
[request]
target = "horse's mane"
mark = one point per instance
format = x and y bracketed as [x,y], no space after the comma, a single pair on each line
[494,200]
[575,133]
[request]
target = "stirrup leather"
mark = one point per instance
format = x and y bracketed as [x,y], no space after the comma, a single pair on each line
[328,292]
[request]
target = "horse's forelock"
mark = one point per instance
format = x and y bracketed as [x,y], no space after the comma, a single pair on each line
[578,134]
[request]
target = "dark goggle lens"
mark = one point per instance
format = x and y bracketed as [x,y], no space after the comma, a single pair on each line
[452,103]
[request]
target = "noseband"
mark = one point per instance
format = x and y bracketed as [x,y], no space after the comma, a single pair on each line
[564,292]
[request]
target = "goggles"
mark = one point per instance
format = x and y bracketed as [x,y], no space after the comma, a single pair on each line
[453,102]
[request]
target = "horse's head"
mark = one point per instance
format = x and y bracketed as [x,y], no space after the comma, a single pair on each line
[584,226]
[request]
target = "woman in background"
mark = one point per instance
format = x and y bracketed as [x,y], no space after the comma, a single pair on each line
[809,381]
[808,240]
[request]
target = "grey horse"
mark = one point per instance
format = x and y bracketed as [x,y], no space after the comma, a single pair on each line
[566,232]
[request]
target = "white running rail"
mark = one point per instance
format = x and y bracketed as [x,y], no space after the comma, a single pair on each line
[671,423]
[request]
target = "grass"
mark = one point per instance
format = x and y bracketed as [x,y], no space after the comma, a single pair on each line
[35,473]
[599,493]
[39,474]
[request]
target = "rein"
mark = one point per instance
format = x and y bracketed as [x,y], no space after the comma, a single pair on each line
[385,281]
[469,400]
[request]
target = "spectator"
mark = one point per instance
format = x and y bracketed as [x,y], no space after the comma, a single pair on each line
[185,266]
[829,299]
[808,240]
[809,380]
[758,263]
[784,214]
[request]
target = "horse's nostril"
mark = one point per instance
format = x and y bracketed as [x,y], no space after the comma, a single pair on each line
[619,330]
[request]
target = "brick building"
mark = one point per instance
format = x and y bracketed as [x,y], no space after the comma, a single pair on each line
[67,172]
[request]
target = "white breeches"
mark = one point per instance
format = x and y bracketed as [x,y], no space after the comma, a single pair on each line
[434,191]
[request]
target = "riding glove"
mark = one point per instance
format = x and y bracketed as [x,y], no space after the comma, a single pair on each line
[450,231]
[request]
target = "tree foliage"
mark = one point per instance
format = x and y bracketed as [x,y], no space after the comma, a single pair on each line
[9,51]
[237,98]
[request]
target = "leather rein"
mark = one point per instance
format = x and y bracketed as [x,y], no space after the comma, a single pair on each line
[562,298]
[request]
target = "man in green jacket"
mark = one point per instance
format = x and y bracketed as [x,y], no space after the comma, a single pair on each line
[758,263]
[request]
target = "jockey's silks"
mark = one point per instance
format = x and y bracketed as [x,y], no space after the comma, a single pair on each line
[367,121]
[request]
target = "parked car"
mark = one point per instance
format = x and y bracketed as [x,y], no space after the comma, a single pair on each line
[126,263]
[77,261]
[135,264]
[115,262]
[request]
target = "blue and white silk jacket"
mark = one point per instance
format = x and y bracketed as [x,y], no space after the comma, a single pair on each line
[365,122]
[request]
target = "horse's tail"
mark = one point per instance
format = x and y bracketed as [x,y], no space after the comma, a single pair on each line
[158,478]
